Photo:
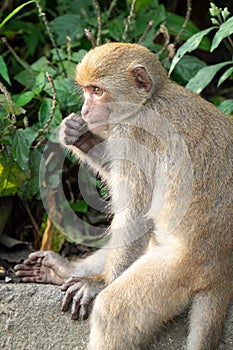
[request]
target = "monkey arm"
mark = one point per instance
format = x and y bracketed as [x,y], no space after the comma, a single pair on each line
[75,136]
[131,232]
[127,244]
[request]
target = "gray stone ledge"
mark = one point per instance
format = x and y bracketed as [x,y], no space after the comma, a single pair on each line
[30,319]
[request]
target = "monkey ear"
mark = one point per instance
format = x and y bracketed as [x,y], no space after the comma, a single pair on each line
[142,77]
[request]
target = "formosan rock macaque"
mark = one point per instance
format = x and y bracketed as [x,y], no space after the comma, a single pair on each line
[166,156]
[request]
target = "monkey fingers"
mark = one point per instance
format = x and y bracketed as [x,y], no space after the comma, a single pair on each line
[80,300]
[71,290]
[29,270]
[72,128]
[70,282]
[83,293]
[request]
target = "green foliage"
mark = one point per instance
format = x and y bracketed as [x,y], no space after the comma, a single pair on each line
[175,22]
[204,77]
[223,28]
[226,106]
[190,45]
[70,25]
[187,68]
[14,12]
[80,206]
[3,70]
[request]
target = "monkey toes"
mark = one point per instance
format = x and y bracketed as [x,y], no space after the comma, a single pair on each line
[44,267]
[81,292]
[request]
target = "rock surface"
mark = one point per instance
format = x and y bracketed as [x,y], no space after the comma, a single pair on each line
[30,319]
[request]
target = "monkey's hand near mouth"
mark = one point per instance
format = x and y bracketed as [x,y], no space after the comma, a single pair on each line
[81,292]
[74,132]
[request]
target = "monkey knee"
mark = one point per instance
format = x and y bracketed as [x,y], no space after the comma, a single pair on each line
[102,312]
[102,324]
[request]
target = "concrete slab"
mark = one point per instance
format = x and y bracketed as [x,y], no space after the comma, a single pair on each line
[30,319]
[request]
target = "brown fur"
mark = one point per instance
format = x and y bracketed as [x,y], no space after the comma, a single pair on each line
[152,273]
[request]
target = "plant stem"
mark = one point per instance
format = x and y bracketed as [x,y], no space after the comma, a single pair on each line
[129,20]
[98,14]
[148,28]
[43,131]
[90,37]
[18,59]
[111,7]
[7,95]
[68,43]
[51,37]
[187,18]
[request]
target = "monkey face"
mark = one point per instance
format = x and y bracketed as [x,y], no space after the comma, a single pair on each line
[96,109]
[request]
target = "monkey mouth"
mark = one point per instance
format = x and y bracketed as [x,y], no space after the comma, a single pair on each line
[96,126]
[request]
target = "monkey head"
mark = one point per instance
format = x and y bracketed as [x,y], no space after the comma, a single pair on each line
[116,73]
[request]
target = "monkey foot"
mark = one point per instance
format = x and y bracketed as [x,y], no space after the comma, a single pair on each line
[44,267]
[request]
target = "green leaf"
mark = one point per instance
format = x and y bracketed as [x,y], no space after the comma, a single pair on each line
[75,6]
[144,17]
[116,30]
[14,13]
[30,186]
[226,29]
[225,75]
[24,98]
[58,240]
[26,78]
[190,45]
[175,22]
[54,180]
[225,13]
[81,206]
[69,68]
[215,21]
[40,83]
[68,24]
[58,54]
[33,37]
[140,4]
[31,133]
[5,109]
[78,56]
[186,69]
[40,64]
[11,176]
[204,77]
[226,106]
[20,149]
[3,70]
[67,97]
[214,10]
[44,112]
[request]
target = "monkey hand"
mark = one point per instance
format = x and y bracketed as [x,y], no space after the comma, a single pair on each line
[74,132]
[71,129]
[83,291]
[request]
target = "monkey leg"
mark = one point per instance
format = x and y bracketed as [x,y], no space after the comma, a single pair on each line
[129,311]
[49,267]
[44,267]
[207,316]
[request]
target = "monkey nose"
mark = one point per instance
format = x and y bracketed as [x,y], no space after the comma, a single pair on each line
[85,112]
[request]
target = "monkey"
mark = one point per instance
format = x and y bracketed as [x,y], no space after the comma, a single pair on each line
[166,156]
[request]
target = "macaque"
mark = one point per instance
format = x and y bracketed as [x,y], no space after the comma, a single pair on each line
[166,157]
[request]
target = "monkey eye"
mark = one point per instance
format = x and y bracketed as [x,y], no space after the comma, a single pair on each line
[97,91]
